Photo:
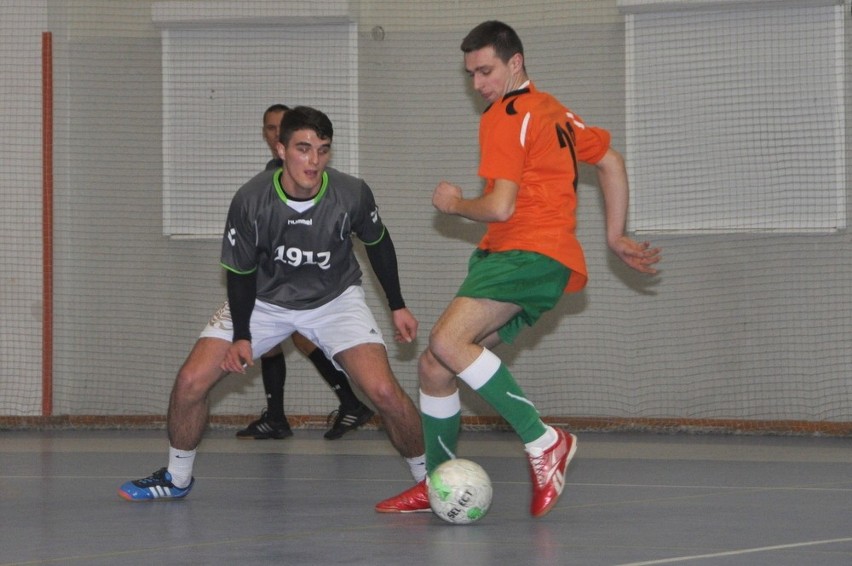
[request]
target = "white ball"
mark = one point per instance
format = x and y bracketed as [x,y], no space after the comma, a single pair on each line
[459,491]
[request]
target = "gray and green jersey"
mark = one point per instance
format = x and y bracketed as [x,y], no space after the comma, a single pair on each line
[302,250]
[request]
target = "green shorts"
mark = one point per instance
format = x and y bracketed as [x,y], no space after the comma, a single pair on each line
[530,280]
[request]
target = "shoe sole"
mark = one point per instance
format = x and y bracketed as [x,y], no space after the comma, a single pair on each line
[568,459]
[126,496]
[429,510]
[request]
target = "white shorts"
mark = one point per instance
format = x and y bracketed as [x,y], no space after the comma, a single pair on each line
[336,326]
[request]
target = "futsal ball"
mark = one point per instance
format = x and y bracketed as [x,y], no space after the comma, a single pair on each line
[459,491]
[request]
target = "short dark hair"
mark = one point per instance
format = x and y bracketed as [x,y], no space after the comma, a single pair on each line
[494,34]
[305,118]
[275,108]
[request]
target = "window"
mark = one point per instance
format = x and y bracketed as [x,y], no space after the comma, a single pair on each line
[735,116]
[218,78]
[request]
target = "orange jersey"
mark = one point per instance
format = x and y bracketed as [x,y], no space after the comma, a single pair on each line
[531,139]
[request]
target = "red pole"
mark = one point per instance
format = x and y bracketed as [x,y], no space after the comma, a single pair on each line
[47,223]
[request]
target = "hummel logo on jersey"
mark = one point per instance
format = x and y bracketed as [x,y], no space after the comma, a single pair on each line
[374,216]
[305,221]
[231,233]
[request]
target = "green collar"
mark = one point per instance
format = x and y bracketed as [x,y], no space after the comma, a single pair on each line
[276,179]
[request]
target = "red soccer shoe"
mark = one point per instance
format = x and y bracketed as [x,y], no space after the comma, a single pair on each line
[412,500]
[547,469]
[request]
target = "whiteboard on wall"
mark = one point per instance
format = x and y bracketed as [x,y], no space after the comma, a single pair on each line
[735,116]
[217,82]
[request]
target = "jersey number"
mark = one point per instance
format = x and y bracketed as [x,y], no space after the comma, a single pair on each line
[566,137]
[297,257]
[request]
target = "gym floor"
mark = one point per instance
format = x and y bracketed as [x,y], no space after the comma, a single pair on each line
[630,499]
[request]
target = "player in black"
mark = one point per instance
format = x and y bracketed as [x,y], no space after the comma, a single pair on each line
[272,423]
[291,267]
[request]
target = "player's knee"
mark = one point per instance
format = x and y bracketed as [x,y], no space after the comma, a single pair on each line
[386,395]
[427,365]
[192,384]
[440,348]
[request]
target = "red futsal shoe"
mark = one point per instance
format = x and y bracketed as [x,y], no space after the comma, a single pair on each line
[547,468]
[412,500]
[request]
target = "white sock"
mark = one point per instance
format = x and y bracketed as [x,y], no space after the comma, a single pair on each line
[418,467]
[180,466]
[544,441]
[481,370]
[440,407]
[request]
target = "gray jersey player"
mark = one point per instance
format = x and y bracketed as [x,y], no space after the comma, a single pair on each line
[273,423]
[288,253]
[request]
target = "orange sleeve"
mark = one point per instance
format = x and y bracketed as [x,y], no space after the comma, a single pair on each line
[592,142]
[502,155]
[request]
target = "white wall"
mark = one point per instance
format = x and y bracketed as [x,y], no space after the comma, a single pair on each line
[737,326]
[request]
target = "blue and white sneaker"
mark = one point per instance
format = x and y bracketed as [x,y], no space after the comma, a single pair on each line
[156,486]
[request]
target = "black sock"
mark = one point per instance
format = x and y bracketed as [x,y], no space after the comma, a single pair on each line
[336,379]
[274,372]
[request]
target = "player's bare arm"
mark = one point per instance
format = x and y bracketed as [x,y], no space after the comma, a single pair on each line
[496,206]
[612,177]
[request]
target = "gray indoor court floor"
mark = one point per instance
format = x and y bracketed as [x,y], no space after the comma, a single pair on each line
[630,499]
